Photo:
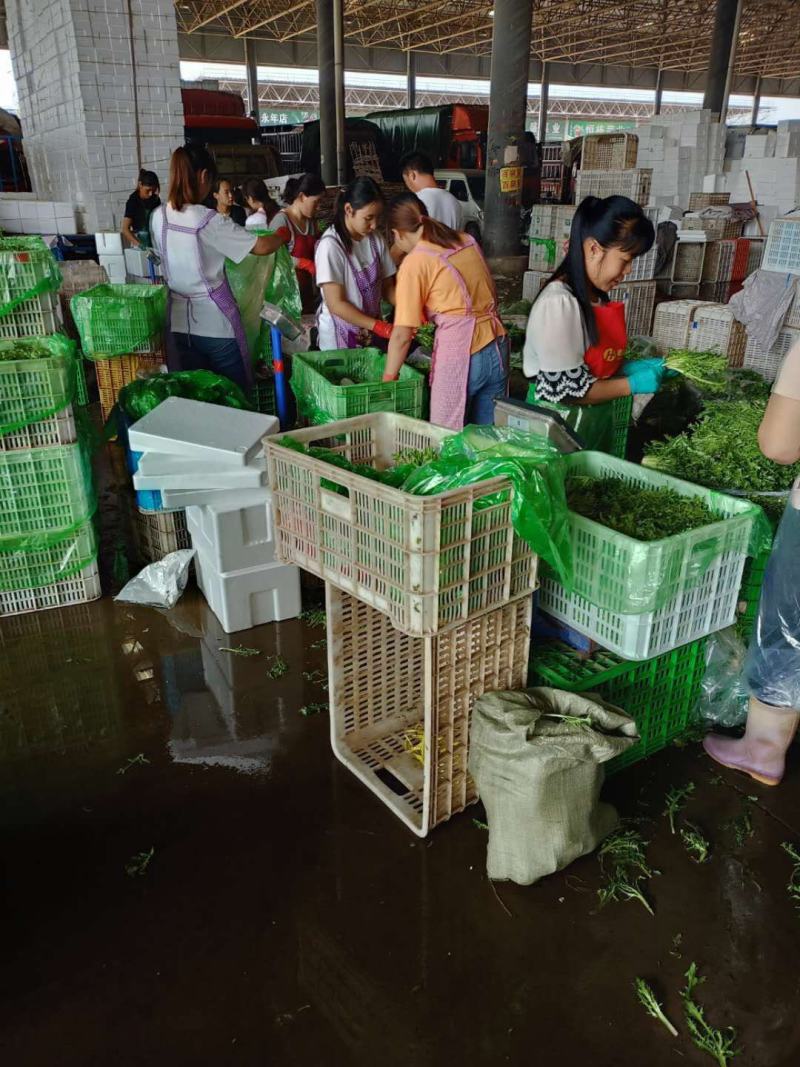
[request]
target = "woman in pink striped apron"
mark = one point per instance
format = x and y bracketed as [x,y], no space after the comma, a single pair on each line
[444,278]
[204,327]
[354,270]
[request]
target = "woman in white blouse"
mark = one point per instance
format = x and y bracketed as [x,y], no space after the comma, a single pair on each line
[576,337]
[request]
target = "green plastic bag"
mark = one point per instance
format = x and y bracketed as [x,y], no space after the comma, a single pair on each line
[140,397]
[27,269]
[38,378]
[536,471]
[263,278]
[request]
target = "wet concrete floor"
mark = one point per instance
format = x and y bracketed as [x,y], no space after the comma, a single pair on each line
[188,876]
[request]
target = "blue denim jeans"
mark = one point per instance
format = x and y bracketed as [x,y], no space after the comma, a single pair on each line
[218,354]
[488,380]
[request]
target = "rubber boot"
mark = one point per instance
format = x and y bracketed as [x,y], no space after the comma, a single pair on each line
[761,753]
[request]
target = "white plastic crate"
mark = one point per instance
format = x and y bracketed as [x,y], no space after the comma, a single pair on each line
[718,262]
[693,613]
[79,589]
[532,283]
[551,220]
[715,227]
[639,299]
[782,250]
[429,562]
[755,255]
[252,597]
[714,292]
[769,363]
[609,151]
[672,323]
[643,268]
[389,691]
[160,532]
[544,253]
[233,538]
[714,329]
[33,318]
[793,314]
[634,184]
[59,429]
[698,201]
[687,261]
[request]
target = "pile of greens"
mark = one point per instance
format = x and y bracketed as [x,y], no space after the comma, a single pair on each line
[406,462]
[519,307]
[644,514]
[722,452]
[425,335]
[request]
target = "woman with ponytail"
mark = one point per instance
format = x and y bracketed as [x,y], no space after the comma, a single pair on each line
[296,224]
[194,241]
[444,278]
[354,270]
[576,337]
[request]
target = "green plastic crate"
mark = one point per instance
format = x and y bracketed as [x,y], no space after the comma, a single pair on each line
[320,400]
[750,594]
[29,281]
[601,427]
[44,489]
[620,574]
[81,387]
[115,320]
[660,694]
[37,384]
[54,561]
[262,393]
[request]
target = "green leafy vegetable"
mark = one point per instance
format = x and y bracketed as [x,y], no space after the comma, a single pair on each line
[313,709]
[135,761]
[314,617]
[242,650]
[707,368]
[625,868]
[675,800]
[416,457]
[697,845]
[648,998]
[138,864]
[278,667]
[519,307]
[316,678]
[719,1044]
[793,885]
[645,514]
[425,336]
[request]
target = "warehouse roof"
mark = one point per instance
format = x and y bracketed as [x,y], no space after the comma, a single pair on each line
[671,34]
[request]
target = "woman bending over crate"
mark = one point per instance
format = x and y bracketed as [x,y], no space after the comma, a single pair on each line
[772,669]
[576,337]
[444,278]
[193,242]
[354,270]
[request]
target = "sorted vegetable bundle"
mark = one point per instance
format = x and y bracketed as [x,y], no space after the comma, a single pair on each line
[644,514]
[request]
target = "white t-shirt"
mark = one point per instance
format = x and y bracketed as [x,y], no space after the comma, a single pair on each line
[443,206]
[555,339]
[257,221]
[331,261]
[221,239]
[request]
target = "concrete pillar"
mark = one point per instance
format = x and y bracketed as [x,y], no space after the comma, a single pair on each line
[731,63]
[251,68]
[99,96]
[725,20]
[508,98]
[411,79]
[544,100]
[756,101]
[338,74]
[327,91]
[659,92]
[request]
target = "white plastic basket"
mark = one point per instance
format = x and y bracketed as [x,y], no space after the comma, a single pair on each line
[782,250]
[58,429]
[769,363]
[693,613]
[532,283]
[718,263]
[687,261]
[639,299]
[672,323]
[544,253]
[714,329]
[609,151]
[79,589]
[551,220]
[389,691]
[428,562]
[634,184]
[793,314]
[32,318]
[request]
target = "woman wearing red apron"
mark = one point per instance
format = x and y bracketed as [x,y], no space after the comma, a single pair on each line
[444,279]
[576,338]
[296,225]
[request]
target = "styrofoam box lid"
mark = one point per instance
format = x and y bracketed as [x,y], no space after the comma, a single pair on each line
[177,472]
[221,499]
[203,431]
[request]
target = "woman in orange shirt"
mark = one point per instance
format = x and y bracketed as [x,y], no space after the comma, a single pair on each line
[444,278]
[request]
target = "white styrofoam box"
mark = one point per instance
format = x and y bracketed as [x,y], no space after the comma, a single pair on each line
[251,597]
[115,268]
[109,243]
[233,538]
[204,475]
[189,498]
[138,263]
[192,428]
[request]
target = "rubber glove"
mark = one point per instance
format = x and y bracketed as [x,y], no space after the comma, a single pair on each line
[630,364]
[382,329]
[306,265]
[644,375]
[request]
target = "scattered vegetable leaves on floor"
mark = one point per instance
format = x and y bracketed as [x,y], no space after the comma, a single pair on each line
[651,1005]
[719,1044]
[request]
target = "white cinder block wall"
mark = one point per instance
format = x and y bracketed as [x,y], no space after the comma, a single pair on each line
[74,67]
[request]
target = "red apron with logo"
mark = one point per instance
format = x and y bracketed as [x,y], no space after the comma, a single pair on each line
[606,357]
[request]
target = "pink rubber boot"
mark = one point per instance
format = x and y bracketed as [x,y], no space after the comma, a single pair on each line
[761,753]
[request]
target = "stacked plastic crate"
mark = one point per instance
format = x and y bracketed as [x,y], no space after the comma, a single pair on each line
[77,276]
[428,603]
[48,542]
[699,326]
[635,625]
[549,229]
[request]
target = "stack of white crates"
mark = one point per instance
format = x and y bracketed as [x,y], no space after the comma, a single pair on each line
[549,229]
[25,213]
[781,258]
[681,149]
[209,460]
